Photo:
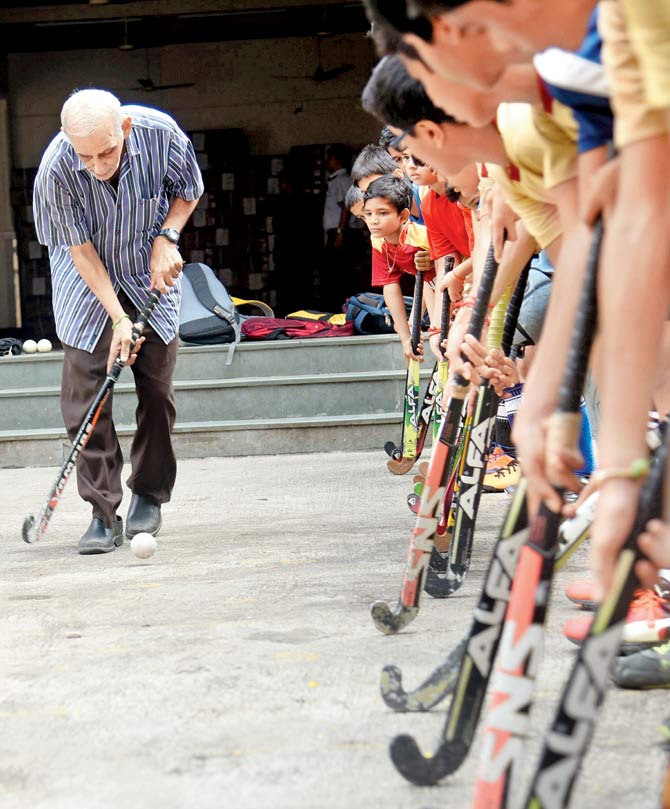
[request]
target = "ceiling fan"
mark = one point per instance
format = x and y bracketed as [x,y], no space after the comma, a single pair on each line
[322,74]
[146,83]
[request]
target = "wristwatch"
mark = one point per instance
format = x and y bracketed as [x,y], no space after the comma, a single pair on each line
[171,234]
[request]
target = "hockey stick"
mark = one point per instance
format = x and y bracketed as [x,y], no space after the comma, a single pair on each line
[431,409]
[33,530]
[443,365]
[567,741]
[410,426]
[399,465]
[390,620]
[522,636]
[441,378]
[472,480]
[496,592]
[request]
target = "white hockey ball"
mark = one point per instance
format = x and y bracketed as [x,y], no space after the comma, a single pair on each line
[44,345]
[29,347]
[143,545]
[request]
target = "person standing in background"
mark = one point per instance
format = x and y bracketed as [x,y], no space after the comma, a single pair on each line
[334,272]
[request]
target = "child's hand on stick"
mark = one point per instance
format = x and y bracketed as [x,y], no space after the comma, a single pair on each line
[423,261]
[407,350]
[453,284]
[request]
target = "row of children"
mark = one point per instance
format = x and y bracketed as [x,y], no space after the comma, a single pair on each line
[499,119]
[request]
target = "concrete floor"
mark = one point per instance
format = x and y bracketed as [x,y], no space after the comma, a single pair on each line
[239,667]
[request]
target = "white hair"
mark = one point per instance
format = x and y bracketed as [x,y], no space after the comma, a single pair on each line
[86,110]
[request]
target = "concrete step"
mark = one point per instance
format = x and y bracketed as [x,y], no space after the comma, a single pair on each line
[330,355]
[49,447]
[229,399]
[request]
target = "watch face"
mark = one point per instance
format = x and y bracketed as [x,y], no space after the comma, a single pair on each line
[170,233]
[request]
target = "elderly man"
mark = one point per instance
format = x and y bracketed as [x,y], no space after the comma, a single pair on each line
[112,193]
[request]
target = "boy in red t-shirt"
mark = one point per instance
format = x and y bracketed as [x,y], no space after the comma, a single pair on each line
[447,231]
[395,243]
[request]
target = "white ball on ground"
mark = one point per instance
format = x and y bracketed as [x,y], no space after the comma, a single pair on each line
[143,545]
[44,345]
[29,347]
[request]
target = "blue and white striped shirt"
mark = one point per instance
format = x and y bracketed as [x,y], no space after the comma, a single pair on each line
[71,207]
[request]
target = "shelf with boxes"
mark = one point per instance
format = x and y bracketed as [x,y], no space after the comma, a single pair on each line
[251,224]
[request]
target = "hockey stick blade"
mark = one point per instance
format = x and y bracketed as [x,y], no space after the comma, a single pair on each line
[431,692]
[391,620]
[400,466]
[413,765]
[28,530]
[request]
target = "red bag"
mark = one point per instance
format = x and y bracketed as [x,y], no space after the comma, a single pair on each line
[277,328]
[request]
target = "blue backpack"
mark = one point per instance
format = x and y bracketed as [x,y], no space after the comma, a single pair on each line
[370,315]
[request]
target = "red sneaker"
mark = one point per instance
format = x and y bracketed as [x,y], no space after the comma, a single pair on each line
[583,594]
[647,623]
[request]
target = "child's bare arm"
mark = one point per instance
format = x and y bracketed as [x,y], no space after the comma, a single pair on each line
[454,281]
[396,304]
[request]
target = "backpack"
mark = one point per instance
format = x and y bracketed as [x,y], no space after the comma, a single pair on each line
[369,313]
[277,328]
[208,316]
[10,346]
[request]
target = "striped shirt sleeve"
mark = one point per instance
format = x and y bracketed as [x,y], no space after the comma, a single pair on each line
[59,218]
[183,170]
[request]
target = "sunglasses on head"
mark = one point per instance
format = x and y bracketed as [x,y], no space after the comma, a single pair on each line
[396,143]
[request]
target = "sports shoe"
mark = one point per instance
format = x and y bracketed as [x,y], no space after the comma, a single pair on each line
[496,457]
[507,473]
[583,594]
[647,622]
[649,668]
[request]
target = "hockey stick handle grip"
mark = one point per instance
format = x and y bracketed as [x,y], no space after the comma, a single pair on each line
[481,305]
[480,308]
[446,303]
[138,327]
[577,363]
[512,316]
[417,310]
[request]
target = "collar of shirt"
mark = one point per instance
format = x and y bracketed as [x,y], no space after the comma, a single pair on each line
[337,173]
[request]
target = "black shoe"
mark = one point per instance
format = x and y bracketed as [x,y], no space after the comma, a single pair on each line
[100,539]
[144,515]
[647,669]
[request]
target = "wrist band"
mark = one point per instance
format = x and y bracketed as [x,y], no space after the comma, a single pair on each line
[639,468]
[460,304]
[116,322]
[434,330]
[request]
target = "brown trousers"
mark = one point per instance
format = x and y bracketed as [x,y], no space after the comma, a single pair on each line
[99,467]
